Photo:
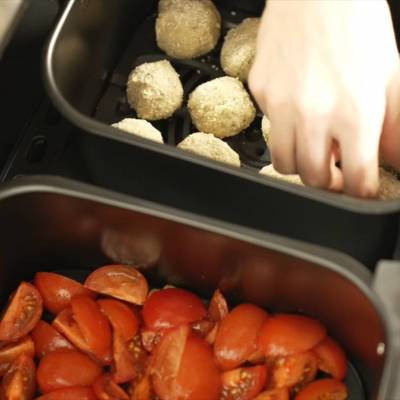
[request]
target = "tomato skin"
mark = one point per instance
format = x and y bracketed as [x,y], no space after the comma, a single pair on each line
[218,307]
[19,381]
[142,389]
[57,290]
[66,368]
[10,352]
[286,334]
[119,281]
[171,307]
[237,336]
[22,313]
[121,317]
[94,326]
[243,383]
[124,364]
[293,371]
[72,393]
[47,339]
[274,394]
[331,358]
[327,389]
[106,389]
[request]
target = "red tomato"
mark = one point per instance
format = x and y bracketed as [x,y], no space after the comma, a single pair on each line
[331,358]
[22,313]
[47,339]
[286,334]
[9,353]
[170,307]
[142,389]
[218,307]
[106,389]
[293,371]
[72,393]
[243,383]
[150,338]
[66,368]
[237,337]
[124,363]
[326,389]
[203,327]
[94,326]
[19,381]
[212,335]
[140,355]
[58,290]
[122,317]
[120,281]
[274,394]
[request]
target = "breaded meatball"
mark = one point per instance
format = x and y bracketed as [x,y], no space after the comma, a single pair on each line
[221,107]
[389,185]
[154,90]
[266,129]
[209,146]
[270,171]
[239,48]
[139,127]
[187,28]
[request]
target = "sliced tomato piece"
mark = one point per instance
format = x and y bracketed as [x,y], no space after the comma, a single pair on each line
[170,307]
[150,338]
[47,339]
[243,383]
[124,368]
[212,335]
[106,389]
[286,334]
[140,355]
[119,281]
[326,389]
[218,307]
[274,394]
[237,337]
[203,327]
[293,371]
[331,358]
[19,381]
[22,313]
[142,389]
[66,368]
[73,393]
[9,353]
[57,290]
[122,317]
[94,326]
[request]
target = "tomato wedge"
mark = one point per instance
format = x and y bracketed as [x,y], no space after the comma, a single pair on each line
[57,290]
[73,393]
[124,368]
[237,337]
[121,317]
[119,281]
[274,394]
[243,383]
[331,358]
[203,327]
[150,338]
[218,307]
[326,389]
[286,334]
[66,368]
[142,389]
[19,381]
[22,313]
[10,352]
[106,389]
[47,339]
[293,371]
[94,326]
[171,307]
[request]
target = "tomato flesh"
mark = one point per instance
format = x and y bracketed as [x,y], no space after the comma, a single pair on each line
[106,389]
[218,307]
[237,337]
[243,383]
[171,307]
[119,281]
[47,339]
[274,394]
[73,393]
[287,334]
[124,363]
[10,352]
[326,389]
[22,313]
[57,290]
[331,358]
[66,368]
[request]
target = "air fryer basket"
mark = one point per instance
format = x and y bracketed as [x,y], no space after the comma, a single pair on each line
[93,48]
[57,224]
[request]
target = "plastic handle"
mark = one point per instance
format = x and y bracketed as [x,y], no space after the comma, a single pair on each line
[386,284]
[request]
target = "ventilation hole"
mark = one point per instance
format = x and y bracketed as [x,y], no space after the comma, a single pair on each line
[37,149]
